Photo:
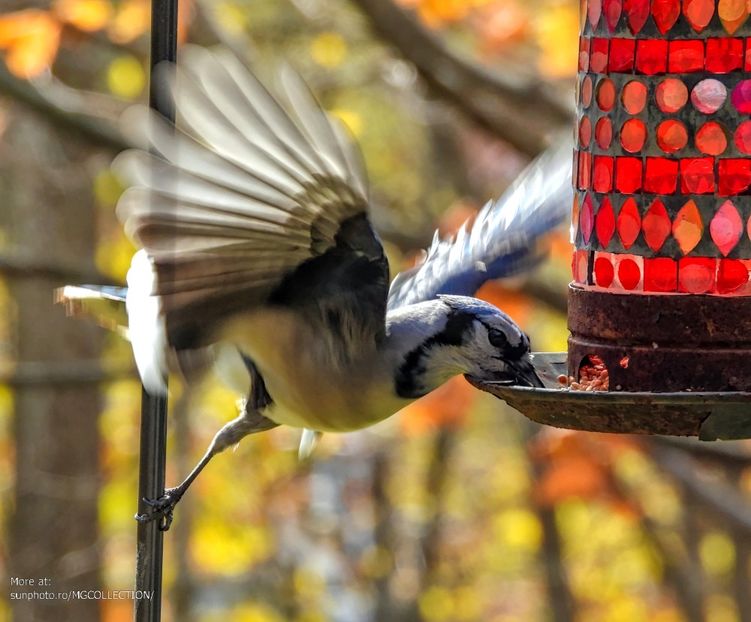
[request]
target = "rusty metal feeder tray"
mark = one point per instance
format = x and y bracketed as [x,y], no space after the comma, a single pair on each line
[710,415]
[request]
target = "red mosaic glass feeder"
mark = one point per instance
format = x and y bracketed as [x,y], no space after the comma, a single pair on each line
[661,223]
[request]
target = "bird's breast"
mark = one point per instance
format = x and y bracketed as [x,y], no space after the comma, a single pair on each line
[311,382]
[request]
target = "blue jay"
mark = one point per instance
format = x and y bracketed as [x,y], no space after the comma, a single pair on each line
[257,256]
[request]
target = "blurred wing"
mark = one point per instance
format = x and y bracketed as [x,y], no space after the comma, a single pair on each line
[502,241]
[250,190]
[102,303]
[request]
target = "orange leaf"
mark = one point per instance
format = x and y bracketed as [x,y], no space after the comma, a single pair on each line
[87,15]
[30,39]
[448,405]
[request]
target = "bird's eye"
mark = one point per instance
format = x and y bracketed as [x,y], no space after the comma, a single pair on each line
[497,338]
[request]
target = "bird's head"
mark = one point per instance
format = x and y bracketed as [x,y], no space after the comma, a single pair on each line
[461,335]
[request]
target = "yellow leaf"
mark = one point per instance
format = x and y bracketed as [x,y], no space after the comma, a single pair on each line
[436,604]
[557,29]
[88,15]
[328,49]
[126,77]
[350,118]
[717,553]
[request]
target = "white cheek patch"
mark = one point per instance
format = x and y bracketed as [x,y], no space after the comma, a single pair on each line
[146,327]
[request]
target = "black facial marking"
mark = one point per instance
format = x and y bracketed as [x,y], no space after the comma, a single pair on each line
[453,334]
[499,340]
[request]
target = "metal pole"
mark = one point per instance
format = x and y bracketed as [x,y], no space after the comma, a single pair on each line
[153,450]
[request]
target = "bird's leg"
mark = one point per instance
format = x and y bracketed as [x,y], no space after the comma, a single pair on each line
[249,420]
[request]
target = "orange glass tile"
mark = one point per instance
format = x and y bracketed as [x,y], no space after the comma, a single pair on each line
[656,225]
[586,91]
[628,223]
[698,13]
[584,169]
[688,227]
[710,138]
[732,14]
[605,94]
[574,227]
[602,173]
[585,132]
[603,132]
[671,95]
[634,96]
[708,95]
[633,134]
[671,136]
[583,53]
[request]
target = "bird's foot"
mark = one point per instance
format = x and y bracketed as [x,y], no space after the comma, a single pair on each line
[161,509]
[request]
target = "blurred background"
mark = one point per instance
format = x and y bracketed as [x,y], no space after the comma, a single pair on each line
[455,510]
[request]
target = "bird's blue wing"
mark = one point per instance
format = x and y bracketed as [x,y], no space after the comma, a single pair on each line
[503,240]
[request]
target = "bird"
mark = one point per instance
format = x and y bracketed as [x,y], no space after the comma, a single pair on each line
[257,256]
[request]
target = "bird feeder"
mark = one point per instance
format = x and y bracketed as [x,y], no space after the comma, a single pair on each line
[661,221]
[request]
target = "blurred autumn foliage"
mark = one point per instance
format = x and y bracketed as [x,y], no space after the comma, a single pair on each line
[455,510]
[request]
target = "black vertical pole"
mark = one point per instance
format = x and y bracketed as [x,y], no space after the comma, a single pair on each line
[153,450]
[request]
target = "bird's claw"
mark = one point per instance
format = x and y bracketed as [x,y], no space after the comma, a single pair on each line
[161,509]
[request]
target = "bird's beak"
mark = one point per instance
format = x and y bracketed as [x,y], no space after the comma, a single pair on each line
[524,374]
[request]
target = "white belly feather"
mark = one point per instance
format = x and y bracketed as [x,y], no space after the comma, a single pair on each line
[309,386]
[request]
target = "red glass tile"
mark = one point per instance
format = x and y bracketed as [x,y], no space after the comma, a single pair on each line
[734,175]
[660,274]
[574,226]
[585,132]
[656,225]
[708,95]
[634,96]
[671,136]
[603,272]
[583,53]
[742,137]
[628,273]
[603,132]
[710,138]
[602,174]
[633,134]
[628,173]
[732,14]
[723,55]
[726,227]
[741,96]
[637,12]
[584,170]
[605,222]
[651,56]
[696,274]
[621,55]
[586,91]
[594,10]
[747,60]
[687,227]
[697,175]
[698,13]
[611,9]
[598,56]
[686,56]
[731,275]
[586,219]
[605,94]
[671,95]
[661,175]
[628,223]
[665,12]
